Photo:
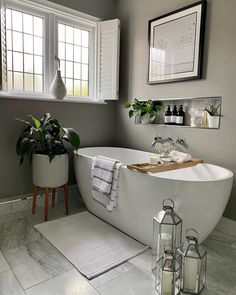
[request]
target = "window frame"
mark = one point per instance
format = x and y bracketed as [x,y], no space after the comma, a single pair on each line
[52,14]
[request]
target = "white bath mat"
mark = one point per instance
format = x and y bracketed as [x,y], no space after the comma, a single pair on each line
[89,243]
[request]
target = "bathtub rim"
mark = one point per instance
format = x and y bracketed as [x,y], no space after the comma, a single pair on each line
[124,166]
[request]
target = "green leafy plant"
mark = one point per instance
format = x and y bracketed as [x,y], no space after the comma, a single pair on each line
[213,110]
[45,136]
[135,107]
[143,107]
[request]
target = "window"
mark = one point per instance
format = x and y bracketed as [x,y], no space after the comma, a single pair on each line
[88,50]
[25,55]
[73,51]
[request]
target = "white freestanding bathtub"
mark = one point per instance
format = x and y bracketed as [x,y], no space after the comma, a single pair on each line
[200,193]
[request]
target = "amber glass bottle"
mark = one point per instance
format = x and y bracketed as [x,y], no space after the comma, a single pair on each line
[167,115]
[180,116]
[173,115]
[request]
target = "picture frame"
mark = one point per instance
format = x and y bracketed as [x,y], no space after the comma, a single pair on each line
[176,44]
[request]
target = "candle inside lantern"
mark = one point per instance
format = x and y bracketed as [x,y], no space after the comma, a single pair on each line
[165,243]
[190,271]
[167,279]
[153,159]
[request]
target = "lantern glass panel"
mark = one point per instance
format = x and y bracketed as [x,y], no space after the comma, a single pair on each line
[158,276]
[167,278]
[156,232]
[191,268]
[166,237]
[202,278]
[178,234]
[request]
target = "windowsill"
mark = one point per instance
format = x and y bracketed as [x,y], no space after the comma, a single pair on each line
[46,98]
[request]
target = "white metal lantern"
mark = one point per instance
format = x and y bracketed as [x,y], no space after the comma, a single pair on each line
[193,259]
[168,274]
[167,231]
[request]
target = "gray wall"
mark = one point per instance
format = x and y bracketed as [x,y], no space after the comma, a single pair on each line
[105,9]
[95,123]
[214,146]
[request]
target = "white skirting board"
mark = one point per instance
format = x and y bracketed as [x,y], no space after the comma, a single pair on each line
[227,226]
[23,202]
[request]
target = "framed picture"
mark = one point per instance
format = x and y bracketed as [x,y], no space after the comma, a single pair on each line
[176,45]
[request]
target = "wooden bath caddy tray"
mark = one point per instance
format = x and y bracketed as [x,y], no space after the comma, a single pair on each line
[146,167]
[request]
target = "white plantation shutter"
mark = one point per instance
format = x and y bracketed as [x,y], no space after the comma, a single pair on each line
[108,59]
[3,47]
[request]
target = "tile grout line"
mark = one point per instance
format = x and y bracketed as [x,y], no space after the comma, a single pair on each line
[52,277]
[133,267]
[112,279]
[222,232]
[49,279]
[89,283]
[10,268]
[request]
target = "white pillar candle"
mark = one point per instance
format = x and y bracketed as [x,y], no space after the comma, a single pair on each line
[190,272]
[165,243]
[167,278]
[153,159]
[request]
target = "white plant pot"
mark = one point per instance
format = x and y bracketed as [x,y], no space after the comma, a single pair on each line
[213,121]
[50,174]
[145,119]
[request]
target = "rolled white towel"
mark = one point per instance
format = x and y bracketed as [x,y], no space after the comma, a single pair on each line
[180,157]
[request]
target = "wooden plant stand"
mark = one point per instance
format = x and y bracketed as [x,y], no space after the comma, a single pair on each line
[47,190]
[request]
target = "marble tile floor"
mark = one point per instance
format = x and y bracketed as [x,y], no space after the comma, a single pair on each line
[30,265]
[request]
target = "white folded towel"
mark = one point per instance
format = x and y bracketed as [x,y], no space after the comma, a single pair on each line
[180,157]
[105,181]
[102,174]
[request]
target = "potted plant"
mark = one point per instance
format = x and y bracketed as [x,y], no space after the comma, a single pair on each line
[46,145]
[135,109]
[146,110]
[213,115]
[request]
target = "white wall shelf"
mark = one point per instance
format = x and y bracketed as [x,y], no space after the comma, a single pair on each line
[193,107]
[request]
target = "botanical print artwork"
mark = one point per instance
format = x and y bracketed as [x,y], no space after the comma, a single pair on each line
[176,45]
[177,40]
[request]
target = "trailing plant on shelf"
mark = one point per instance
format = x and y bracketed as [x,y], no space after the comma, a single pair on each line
[45,136]
[213,110]
[135,108]
[147,108]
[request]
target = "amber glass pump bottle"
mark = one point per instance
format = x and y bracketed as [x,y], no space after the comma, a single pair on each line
[167,116]
[173,115]
[180,118]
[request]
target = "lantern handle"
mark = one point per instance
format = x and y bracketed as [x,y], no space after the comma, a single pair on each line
[189,230]
[171,201]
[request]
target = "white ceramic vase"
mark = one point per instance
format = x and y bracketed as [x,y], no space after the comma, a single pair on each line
[213,121]
[50,174]
[58,88]
[145,119]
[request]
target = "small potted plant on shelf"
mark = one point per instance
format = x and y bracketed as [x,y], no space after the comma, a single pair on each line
[135,109]
[213,115]
[46,145]
[144,111]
